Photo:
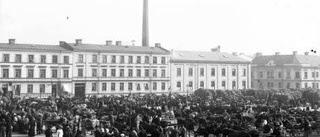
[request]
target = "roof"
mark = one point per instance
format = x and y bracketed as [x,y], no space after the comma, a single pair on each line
[207,57]
[311,60]
[41,47]
[118,49]
[246,57]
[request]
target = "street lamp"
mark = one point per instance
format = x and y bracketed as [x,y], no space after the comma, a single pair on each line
[187,94]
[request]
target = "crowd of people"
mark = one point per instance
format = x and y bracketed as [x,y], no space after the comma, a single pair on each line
[172,115]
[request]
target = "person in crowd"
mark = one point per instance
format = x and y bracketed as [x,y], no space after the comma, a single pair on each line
[3,127]
[60,131]
[32,127]
[48,131]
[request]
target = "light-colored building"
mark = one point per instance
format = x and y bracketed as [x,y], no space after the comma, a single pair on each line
[191,70]
[119,69]
[285,71]
[33,69]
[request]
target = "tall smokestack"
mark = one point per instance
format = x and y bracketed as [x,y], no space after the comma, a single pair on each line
[145,25]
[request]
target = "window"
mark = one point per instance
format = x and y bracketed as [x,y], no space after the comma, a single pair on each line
[179,85]
[18,58]
[244,84]
[154,73]
[305,85]
[18,73]
[43,59]
[80,72]
[146,60]
[113,72]
[201,72]
[279,75]
[154,86]
[163,86]
[94,58]
[270,74]
[121,72]
[138,87]
[130,86]
[280,84]
[5,73]
[190,72]
[121,59]
[297,75]
[42,88]
[138,59]
[233,84]
[66,59]
[104,86]
[30,88]
[313,85]
[31,57]
[223,84]
[94,87]
[130,59]
[201,84]
[65,73]
[305,75]
[104,72]
[146,72]
[297,85]
[317,85]
[163,60]
[313,74]
[244,72]
[113,59]
[80,58]
[54,59]
[6,58]
[54,73]
[317,74]
[138,72]
[163,73]
[42,73]
[288,75]
[288,85]
[94,72]
[261,74]
[154,60]
[113,86]
[190,85]
[178,72]
[130,73]
[213,72]
[233,72]
[213,84]
[104,58]
[30,73]
[121,86]
[223,72]
[146,87]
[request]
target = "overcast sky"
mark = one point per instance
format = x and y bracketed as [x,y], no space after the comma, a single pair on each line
[246,26]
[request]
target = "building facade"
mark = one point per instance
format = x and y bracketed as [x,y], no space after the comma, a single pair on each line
[285,71]
[191,70]
[34,70]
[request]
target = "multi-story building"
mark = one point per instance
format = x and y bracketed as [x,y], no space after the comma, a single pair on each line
[118,69]
[33,69]
[285,71]
[191,70]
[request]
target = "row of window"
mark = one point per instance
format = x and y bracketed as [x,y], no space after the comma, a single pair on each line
[122,59]
[213,72]
[31,59]
[94,73]
[213,84]
[30,73]
[297,85]
[270,74]
[129,86]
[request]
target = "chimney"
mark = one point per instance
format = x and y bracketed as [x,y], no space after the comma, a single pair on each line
[241,53]
[12,41]
[109,42]
[234,53]
[118,43]
[145,25]
[258,54]
[306,53]
[158,45]
[217,49]
[294,52]
[61,43]
[277,53]
[78,41]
